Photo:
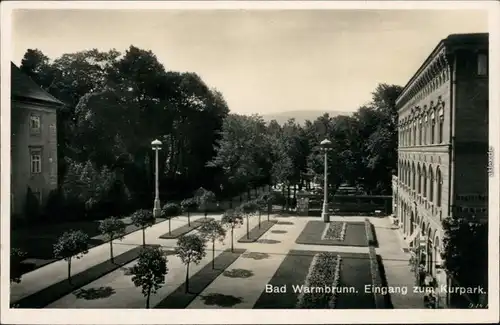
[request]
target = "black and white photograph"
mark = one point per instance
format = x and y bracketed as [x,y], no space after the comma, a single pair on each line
[286,157]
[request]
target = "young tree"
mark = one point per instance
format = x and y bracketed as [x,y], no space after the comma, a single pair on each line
[72,244]
[248,209]
[16,257]
[169,211]
[112,228]
[188,206]
[205,199]
[190,249]
[212,231]
[150,271]
[260,204]
[232,219]
[144,219]
[267,200]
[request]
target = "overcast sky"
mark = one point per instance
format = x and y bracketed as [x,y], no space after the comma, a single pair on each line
[262,61]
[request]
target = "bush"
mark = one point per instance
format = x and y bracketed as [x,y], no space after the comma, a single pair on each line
[370,239]
[32,205]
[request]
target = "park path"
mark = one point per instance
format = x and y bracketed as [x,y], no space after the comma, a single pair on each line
[396,265]
[261,259]
[52,273]
[117,289]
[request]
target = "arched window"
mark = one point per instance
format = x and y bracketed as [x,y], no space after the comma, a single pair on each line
[433,128]
[424,178]
[441,124]
[420,131]
[431,184]
[426,127]
[414,174]
[439,180]
[414,133]
[419,182]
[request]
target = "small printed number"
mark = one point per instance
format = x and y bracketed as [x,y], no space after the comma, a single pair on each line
[478,306]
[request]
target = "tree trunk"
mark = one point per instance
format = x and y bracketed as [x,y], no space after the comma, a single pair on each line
[260,214]
[269,207]
[147,298]
[288,198]
[213,254]
[111,250]
[187,277]
[189,220]
[170,226]
[69,270]
[248,228]
[206,214]
[143,236]
[232,240]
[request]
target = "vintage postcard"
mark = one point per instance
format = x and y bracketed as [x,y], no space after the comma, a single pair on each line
[226,162]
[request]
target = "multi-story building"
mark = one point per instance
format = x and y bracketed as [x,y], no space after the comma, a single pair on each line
[33,141]
[443,144]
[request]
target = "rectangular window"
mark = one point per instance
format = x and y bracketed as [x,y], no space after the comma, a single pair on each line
[35,124]
[420,132]
[36,161]
[482,64]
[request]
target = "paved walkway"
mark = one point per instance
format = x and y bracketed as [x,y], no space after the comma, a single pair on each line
[52,273]
[239,292]
[396,265]
[120,292]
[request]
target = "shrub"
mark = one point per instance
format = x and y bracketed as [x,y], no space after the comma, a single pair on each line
[370,239]
[16,257]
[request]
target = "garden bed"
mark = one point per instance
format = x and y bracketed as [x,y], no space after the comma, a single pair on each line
[58,290]
[354,275]
[354,234]
[257,232]
[177,232]
[179,299]
[335,230]
[39,244]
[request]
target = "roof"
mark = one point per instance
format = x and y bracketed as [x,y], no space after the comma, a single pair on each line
[450,42]
[24,88]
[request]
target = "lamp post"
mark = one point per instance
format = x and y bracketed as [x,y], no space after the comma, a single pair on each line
[325,147]
[156,145]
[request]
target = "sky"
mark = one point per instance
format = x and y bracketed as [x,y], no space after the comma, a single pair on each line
[263,61]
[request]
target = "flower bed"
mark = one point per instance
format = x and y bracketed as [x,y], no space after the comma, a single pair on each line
[376,280]
[324,272]
[335,231]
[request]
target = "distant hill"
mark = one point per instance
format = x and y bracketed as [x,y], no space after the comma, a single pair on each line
[300,116]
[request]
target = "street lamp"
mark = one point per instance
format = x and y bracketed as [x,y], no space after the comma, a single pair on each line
[326,145]
[156,145]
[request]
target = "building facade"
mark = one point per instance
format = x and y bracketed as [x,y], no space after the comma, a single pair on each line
[443,144]
[33,142]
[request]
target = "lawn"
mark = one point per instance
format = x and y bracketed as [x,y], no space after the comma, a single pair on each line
[293,271]
[314,231]
[38,243]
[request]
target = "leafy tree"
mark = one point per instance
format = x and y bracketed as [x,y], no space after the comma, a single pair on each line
[150,271]
[232,219]
[205,199]
[16,258]
[143,219]
[112,228]
[188,206]
[190,249]
[248,209]
[260,204]
[213,230]
[466,244]
[169,211]
[72,244]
